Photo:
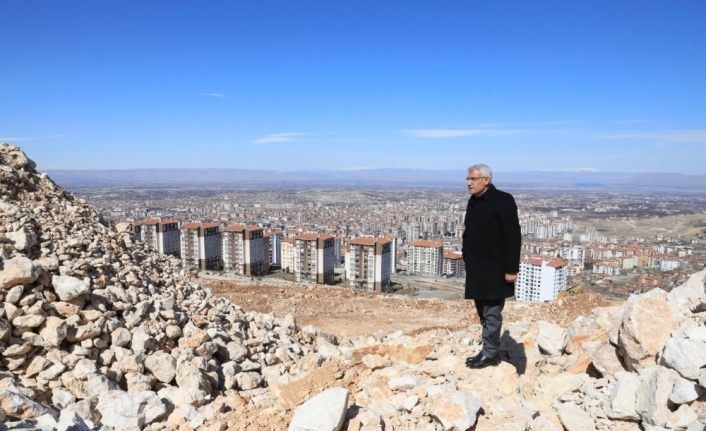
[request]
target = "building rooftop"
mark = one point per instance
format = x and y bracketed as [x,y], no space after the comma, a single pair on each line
[427,243]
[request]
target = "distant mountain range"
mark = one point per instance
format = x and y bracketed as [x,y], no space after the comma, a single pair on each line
[375,177]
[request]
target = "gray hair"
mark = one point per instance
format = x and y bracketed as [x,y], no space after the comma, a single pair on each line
[483,170]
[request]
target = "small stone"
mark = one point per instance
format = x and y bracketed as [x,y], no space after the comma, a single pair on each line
[685,391]
[54,331]
[120,410]
[69,420]
[18,270]
[403,383]
[68,288]
[551,338]
[120,337]
[162,365]
[248,380]
[14,295]
[574,418]
[62,398]
[29,321]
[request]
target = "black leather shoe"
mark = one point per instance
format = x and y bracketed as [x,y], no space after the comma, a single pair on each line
[473,358]
[483,361]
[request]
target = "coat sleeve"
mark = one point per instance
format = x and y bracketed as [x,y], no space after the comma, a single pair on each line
[513,236]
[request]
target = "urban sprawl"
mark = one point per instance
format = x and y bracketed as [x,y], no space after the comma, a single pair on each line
[372,240]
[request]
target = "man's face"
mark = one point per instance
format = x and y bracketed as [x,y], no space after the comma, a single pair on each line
[476,183]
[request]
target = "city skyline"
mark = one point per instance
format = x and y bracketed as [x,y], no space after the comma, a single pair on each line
[317,85]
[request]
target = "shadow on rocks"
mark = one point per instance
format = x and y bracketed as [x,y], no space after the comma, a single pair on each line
[513,352]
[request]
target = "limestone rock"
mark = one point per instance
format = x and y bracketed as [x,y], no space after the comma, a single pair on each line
[68,288]
[403,383]
[18,270]
[653,395]
[685,391]
[162,365]
[605,360]
[647,323]
[323,412]
[120,337]
[456,411]
[185,417]
[21,239]
[19,406]
[689,294]
[573,418]
[194,382]
[624,397]
[120,410]
[248,380]
[54,331]
[685,356]
[69,420]
[551,338]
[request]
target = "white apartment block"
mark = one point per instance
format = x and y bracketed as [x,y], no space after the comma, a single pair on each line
[454,266]
[314,258]
[575,254]
[288,255]
[161,235]
[245,250]
[540,278]
[611,267]
[426,257]
[368,263]
[201,246]
[393,253]
[274,239]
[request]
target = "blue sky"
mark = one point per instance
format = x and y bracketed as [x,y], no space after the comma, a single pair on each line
[556,85]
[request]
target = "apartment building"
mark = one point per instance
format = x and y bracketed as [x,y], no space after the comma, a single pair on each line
[274,240]
[314,258]
[201,246]
[393,253]
[245,250]
[454,266]
[161,235]
[540,278]
[288,255]
[368,263]
[426,257]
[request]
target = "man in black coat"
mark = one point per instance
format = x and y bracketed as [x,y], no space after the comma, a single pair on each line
[491,252]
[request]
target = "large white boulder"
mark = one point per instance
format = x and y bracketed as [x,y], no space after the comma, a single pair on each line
[323,412]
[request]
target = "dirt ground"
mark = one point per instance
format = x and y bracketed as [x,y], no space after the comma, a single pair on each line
[344,312]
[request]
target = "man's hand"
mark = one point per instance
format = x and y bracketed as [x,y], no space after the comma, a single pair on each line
[511,278]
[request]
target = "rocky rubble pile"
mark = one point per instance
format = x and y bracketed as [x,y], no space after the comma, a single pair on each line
[640,366]
[97,331]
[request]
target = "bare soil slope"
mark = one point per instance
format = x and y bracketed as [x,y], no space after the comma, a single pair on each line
[348,313]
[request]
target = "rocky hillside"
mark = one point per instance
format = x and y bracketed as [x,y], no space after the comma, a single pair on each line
[99,333]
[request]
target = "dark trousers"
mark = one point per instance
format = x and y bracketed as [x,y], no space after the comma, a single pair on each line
[491,319]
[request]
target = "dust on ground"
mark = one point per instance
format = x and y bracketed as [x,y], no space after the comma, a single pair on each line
[346,312]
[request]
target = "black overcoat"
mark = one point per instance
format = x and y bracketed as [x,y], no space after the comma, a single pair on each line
[491,244]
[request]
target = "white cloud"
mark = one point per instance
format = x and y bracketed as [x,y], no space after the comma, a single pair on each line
[688,136]
[571,170]
[277,138]
[219,95]
[457,133]
[30,138]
